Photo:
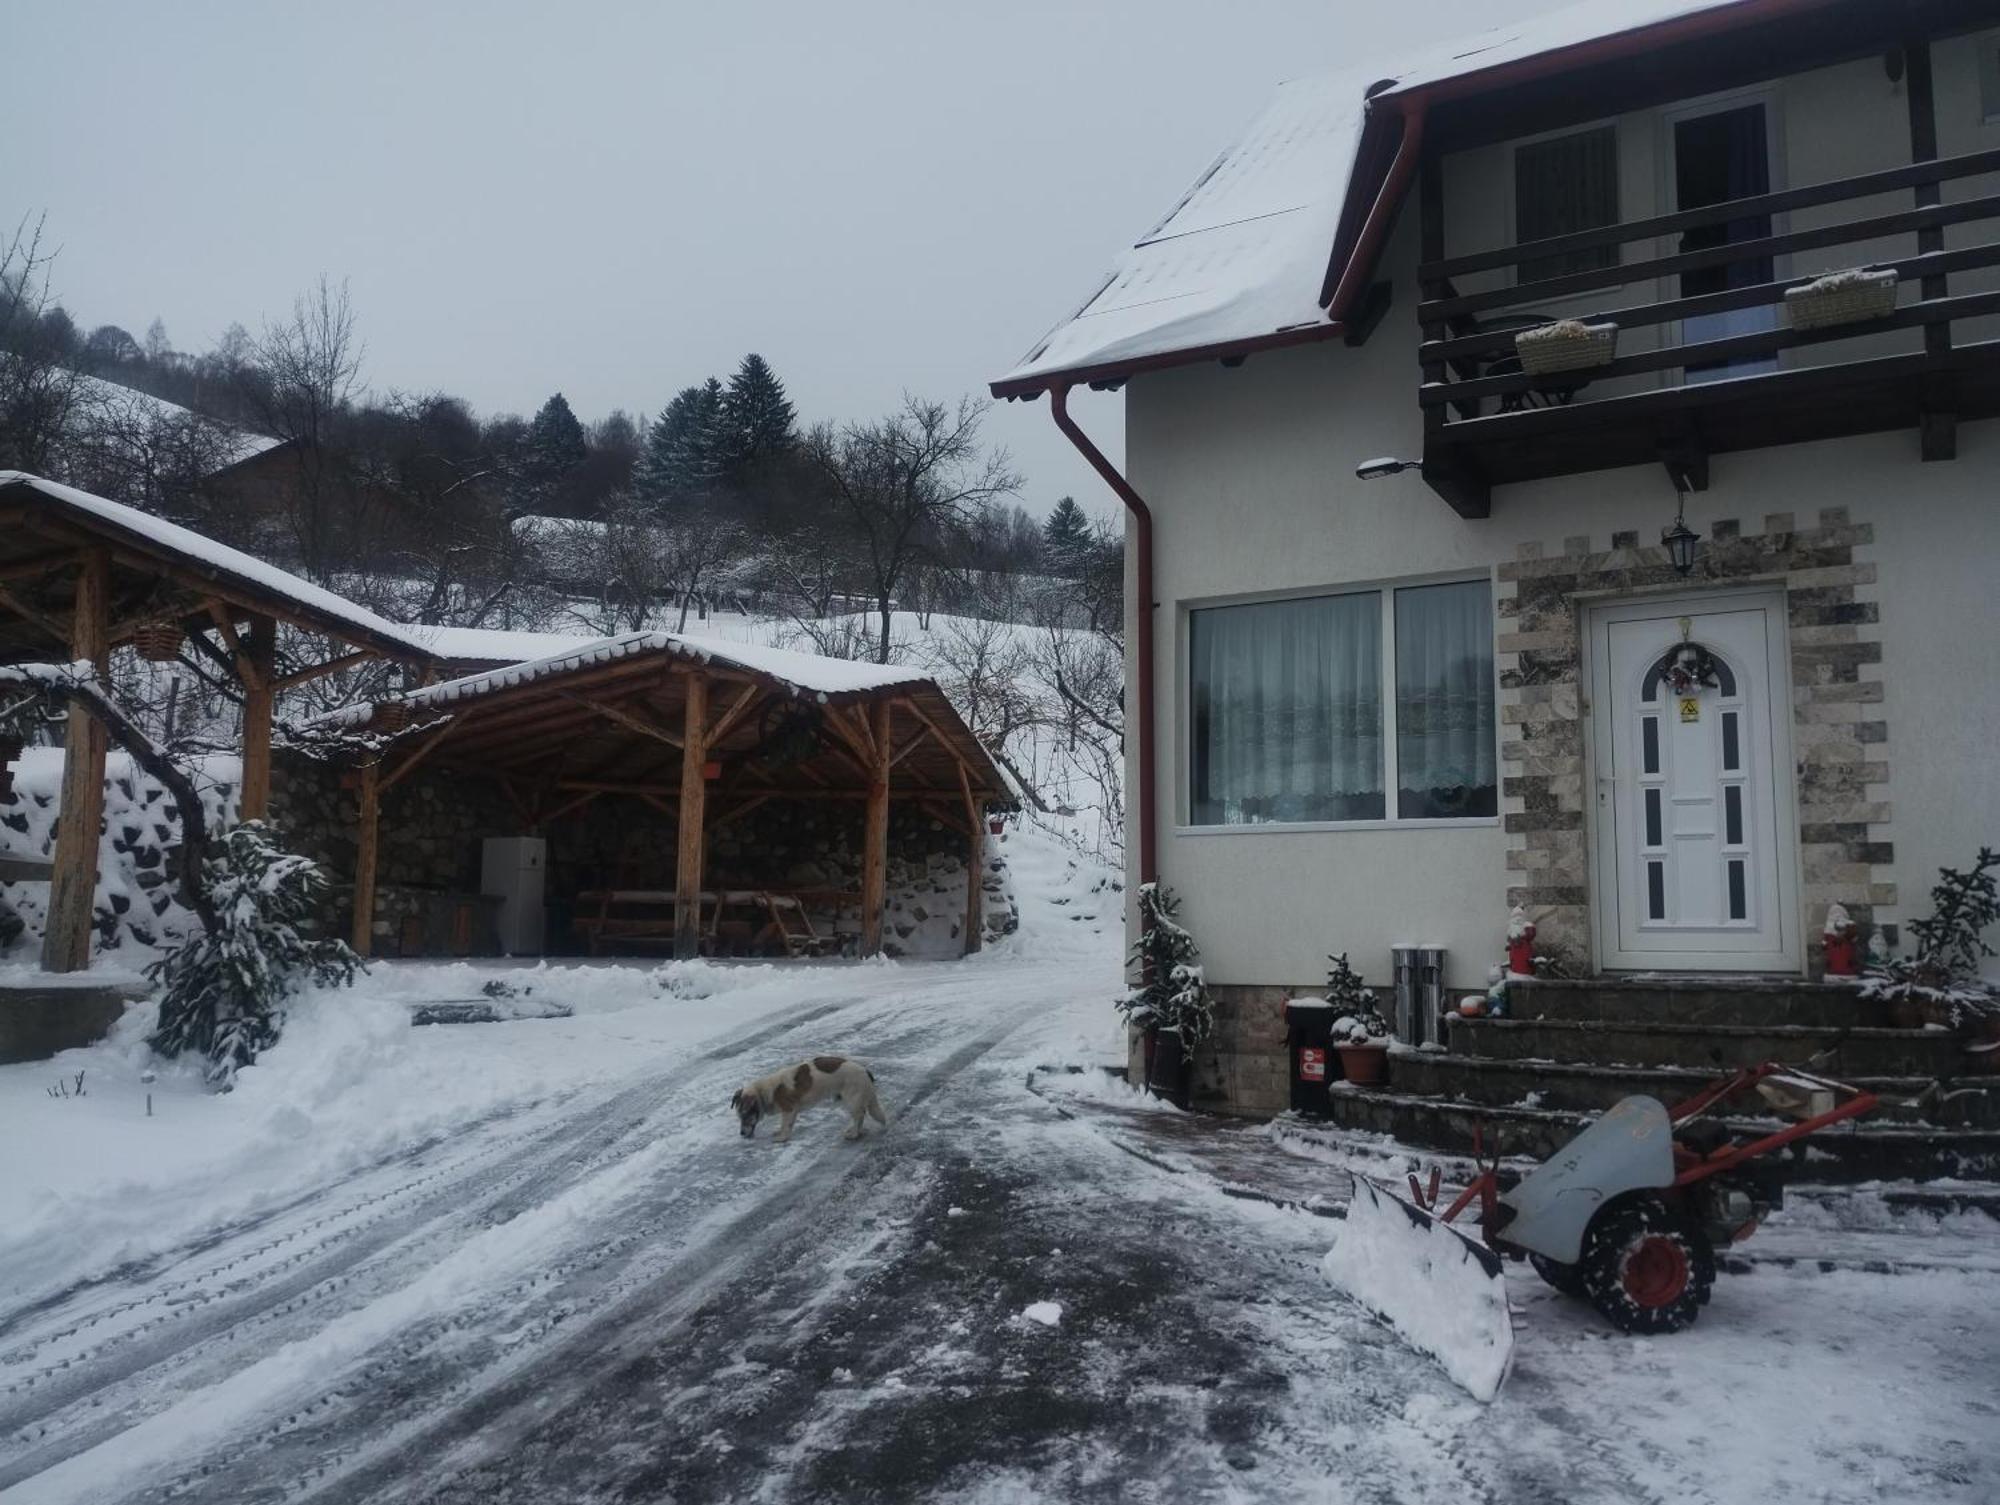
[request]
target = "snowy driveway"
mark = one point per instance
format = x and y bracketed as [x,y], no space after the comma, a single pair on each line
[608,1295]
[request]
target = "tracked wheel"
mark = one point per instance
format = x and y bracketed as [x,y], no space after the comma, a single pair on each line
[1645,1268]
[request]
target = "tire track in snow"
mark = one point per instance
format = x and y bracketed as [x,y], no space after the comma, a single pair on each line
[144,1360]
[367,1437]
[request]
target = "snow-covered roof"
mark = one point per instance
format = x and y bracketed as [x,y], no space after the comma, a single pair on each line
[251,577]
[1242,261]
[806,673]
[500,645]
[239,444]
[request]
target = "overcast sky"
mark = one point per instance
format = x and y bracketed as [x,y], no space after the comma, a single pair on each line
[618,200]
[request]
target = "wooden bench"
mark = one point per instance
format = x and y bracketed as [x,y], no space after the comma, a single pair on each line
[644,916]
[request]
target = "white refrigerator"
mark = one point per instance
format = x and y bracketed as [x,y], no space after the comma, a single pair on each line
[513,868]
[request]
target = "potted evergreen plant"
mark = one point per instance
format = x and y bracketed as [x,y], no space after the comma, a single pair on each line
[1171,1003]
[1940,984]
[1360,1033]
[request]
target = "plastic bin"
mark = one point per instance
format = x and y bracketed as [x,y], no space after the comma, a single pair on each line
[1309,1034]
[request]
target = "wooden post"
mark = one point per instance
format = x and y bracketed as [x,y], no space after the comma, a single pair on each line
[73,883]
[975,866]
[875,830]
[694,794]
[257,669]
[366,841]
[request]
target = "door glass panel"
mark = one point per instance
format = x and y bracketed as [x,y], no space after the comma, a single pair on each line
[1652,817]
[1738,906]
[1732,815]
[1656,890]
[1649,744]
[1731,751]
[1720,157]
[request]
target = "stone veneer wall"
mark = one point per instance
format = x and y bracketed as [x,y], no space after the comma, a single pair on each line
[1245,1067]
[1838,738]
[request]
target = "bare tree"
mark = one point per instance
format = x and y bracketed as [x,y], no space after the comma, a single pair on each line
[311,370]
[701,551]
[901,481]
[39,386]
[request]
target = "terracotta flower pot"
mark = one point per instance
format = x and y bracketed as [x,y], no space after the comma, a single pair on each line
[1364,1065]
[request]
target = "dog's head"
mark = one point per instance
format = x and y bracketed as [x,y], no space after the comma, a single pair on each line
[749,1108]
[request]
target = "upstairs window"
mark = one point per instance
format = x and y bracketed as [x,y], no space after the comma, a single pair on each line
[1364,706]
[1561,186]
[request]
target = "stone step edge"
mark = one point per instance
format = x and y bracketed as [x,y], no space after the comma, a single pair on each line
[1801,1032]
[1695,1075]
[1852,1128]
[1713,983]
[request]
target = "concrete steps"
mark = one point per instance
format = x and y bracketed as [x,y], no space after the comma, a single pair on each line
[1737,1001]
[1867,1150]
[1581,1087]
[1710,1048]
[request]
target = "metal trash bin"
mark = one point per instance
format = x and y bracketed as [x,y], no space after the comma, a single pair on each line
[1419,981]
[1309,1034]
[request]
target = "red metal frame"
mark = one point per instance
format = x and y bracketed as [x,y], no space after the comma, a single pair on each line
[1485,1187]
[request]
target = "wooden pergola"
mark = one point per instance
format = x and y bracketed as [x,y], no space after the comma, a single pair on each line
[80,576]
[703,732]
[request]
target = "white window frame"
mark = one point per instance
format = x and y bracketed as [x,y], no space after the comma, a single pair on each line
[1385,591]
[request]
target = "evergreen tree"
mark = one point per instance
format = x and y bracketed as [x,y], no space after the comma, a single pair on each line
[554,445]
[673,460]
[1173,988]
[1066,541]
[757,414]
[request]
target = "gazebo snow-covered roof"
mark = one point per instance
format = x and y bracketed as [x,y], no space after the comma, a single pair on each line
[1271,246]
[80,576]
[699,728]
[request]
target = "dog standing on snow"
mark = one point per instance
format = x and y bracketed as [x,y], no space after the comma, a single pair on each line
[791,1091]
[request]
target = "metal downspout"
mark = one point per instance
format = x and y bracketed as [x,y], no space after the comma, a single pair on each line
[1142,523]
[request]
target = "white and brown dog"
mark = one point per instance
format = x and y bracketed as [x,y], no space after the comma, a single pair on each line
[791,1091]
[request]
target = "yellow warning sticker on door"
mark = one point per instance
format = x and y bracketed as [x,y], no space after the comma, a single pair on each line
[1690,708]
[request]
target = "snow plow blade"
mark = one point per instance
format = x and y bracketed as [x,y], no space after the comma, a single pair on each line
[1443,1293]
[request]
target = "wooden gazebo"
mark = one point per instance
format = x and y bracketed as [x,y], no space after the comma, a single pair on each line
[80,576]
[701,730]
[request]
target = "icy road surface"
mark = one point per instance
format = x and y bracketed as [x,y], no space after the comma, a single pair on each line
[608,1295]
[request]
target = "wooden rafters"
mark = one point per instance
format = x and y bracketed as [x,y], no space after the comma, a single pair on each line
[629,721]
[311,672]
[425,748]
[727,722]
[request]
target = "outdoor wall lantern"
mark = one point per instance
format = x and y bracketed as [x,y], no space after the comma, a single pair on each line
[1681,541]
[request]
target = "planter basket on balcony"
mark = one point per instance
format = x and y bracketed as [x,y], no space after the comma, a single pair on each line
[1566,345]
[159,642]
[1850,297]
[390,716]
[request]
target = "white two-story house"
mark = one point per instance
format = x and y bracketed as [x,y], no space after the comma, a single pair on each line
[1388,706]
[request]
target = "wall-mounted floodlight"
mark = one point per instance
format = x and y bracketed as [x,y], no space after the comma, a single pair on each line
[1387,465]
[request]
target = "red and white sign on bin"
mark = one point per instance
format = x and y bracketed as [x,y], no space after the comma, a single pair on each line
[1312,1064]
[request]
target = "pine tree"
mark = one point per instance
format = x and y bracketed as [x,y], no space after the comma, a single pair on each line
[757,415]
[1173,991]
[685,447]
[223,994]
[554,445]
[1066,540]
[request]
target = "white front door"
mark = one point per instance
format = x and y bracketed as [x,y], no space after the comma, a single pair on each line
[1695,831]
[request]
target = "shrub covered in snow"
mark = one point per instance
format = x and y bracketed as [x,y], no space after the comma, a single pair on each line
[223,993]
[1357,1017]
[1942,974]
[1173,989]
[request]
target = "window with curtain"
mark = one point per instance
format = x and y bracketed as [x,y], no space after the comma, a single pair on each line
[1291,720]
[1444,702]
[1561,186]
[1287,701]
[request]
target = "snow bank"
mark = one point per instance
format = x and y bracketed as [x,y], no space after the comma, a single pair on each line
[1430,1285]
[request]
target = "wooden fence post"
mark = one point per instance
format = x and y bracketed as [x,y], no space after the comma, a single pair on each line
[73,882]
[367,834]
[257,669]
[875,829]
[694,793]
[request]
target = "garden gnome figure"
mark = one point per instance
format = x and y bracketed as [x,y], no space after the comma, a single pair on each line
[1520,943]
[1843,946]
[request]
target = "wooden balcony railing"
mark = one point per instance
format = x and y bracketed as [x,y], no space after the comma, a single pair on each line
[1471,372]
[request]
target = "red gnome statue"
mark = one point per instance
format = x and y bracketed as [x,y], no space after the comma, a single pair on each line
[1843,946]
[1520,943]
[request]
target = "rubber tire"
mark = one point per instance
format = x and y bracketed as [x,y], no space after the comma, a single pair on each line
[1565,1278]
[1622,1230]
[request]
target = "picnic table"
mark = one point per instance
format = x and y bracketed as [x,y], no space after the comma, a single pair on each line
[647,916]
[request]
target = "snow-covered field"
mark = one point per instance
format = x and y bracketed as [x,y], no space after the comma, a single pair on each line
[533,1261]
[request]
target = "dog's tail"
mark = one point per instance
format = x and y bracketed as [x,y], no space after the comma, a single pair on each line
[875,1106]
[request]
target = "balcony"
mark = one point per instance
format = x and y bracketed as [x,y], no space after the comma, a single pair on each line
[1727,367]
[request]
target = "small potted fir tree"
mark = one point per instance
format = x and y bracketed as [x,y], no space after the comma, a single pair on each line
[1171,1003]
[1360,1033]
